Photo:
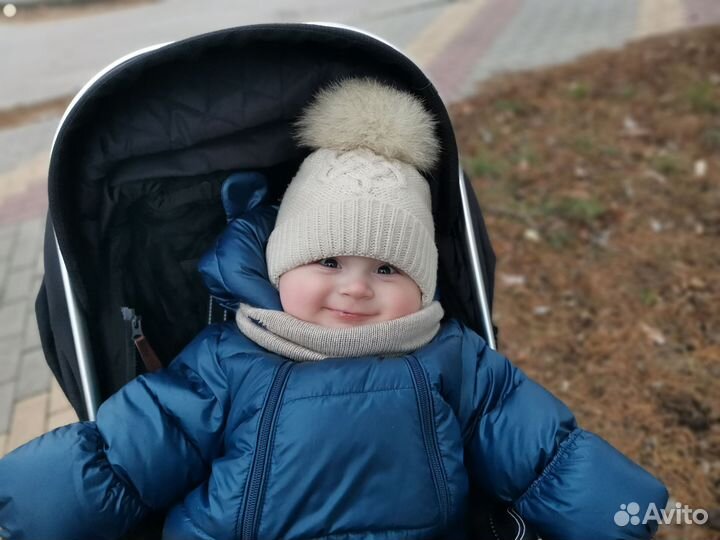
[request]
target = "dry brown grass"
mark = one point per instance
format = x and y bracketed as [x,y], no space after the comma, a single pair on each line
[613,165]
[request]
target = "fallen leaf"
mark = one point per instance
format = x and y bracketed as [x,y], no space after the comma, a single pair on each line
[632,129]
[532,235]
[654,175]
[697,283]
[655,335]
[512,280]
[656,225]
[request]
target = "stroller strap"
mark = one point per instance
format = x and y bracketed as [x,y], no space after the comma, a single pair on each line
[147,354]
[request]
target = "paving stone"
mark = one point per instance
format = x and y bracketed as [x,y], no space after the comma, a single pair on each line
[12,318]
[4,266]
[18,285]
[5,250]
[28,421]
[40,265]
[31,338]
[7,240]
[37,281]
[34,375]
[9,358]
[436,35]
[25,156]
[58,401]
[29,2]
[7,394]
[545,32]
[40,253]
[29,243]
[660,16]
[61,418]
[34,289]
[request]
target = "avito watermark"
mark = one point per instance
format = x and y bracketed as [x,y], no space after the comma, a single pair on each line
[629,514]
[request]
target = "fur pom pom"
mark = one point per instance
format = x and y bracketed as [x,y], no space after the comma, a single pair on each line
[364,113]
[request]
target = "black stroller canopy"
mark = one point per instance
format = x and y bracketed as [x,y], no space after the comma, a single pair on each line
[221,101]
[139,159]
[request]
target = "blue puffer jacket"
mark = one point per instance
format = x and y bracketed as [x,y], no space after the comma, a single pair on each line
[240,443]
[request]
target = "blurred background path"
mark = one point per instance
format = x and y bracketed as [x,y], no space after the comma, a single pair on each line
[46,59]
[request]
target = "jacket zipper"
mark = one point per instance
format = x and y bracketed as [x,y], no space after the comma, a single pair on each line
[134,365]
[256,477]
[427,420]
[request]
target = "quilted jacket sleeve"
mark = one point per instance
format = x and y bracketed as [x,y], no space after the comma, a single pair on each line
[523,446]
[152,442]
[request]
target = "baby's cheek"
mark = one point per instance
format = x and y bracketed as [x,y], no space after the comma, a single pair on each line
[407,299]
[300,294]
[290,294]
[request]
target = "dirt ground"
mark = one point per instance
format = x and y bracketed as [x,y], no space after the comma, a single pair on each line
[600,182]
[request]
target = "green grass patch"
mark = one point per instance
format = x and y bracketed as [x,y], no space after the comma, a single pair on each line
[668,164]
[486,165]
[648,297]
[559,239]
[588,146]
[585,211]
[584,145]
[514,106]
[579,90]
[526,153]
[627,92]
[711,138]
[702,99]
[611,151]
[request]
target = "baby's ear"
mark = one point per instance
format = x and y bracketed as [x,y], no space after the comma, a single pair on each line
[242,192]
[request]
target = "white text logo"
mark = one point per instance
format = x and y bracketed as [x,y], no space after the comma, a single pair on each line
[629,514]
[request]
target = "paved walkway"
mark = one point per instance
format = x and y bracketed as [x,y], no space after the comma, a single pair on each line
[458,44]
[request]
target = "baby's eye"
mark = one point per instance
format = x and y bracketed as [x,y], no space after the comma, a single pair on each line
[329,263]
[387,269]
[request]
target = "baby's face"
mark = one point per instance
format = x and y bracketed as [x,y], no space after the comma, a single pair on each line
[340,292]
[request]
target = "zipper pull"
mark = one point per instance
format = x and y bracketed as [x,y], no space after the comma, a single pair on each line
[147,354]
[128,315]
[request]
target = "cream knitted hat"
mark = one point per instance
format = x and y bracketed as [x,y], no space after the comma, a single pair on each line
[360,192]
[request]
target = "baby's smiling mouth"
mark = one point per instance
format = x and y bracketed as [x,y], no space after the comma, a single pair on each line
[349,314]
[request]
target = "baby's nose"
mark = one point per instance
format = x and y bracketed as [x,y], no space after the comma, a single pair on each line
[357,287]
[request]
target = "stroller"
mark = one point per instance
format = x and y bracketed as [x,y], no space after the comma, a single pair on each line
[136,174]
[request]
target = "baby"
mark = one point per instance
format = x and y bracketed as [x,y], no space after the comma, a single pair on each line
[339,403]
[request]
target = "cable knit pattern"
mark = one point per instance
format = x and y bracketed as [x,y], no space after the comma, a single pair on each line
[288,336]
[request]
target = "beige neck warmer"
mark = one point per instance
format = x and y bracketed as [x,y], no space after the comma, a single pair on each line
[293,338]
